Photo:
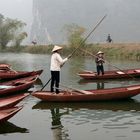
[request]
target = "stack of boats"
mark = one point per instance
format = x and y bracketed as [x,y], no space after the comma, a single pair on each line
[14,82]
[20,81]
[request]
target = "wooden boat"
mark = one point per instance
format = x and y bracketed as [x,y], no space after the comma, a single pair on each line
[11,74]
[6,114]
[11,101]
[110,74]
[89,95]
[17,85]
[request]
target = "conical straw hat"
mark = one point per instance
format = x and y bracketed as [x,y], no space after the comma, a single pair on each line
[56,48]
[100,52]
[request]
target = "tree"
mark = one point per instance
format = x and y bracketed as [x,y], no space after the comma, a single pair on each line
[19,38]
[74,35]
[1,19]
[9,30]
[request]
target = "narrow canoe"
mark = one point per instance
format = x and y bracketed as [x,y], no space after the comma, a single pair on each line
[90,95]
[6,114]
[17,85]
[10,74]
[110,74]
[11,101]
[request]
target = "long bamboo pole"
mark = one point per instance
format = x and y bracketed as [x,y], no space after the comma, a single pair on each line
[80,44]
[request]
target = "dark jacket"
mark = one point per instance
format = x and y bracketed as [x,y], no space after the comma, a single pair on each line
[99,60]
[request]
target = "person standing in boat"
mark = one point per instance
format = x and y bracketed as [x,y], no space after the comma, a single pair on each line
[109,40]
[56,63]
[99,62]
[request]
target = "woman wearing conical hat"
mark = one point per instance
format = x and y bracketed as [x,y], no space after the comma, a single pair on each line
[55,67]
[99,62]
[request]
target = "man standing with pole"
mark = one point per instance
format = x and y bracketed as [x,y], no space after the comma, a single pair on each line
[80,44]
[56,63]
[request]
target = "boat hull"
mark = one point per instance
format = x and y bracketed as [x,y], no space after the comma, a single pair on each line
[131,73]
[95,95]
[17,85]
[4,75]
[11,101]
[6,114]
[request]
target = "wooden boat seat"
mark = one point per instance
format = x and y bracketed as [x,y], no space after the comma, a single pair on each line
[5,87]
[120,72]
[133,88]
[89,71]
[84,92]
[137,70]
[19,83]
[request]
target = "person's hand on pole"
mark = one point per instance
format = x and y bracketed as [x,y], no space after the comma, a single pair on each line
[69,56]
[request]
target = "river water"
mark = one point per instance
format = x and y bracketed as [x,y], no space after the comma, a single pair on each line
[119,120]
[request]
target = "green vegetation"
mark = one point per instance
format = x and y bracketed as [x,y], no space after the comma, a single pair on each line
[112,51]
[74,35]
[11,32]
[129,51]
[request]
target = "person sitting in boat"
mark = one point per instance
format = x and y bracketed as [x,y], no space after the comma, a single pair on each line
[56,63]
[99,62]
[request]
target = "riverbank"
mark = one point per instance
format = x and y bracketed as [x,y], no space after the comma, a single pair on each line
[129,51]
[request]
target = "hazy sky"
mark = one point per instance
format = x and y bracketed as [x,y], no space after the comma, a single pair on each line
[122,22]
[21,9]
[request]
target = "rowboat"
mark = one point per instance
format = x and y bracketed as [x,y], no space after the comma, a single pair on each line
[130,73]
[17,85]
[89,95]
[6,114]
[11,74]
[11,101]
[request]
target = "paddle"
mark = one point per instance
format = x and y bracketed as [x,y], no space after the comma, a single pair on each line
[80,44]
[46,84]
[108,63]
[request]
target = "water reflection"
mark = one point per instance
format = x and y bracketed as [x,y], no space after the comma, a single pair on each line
[39,82]
[56,116]
[102,84]
[57,128]
[123,105]
[9,127]
[93,117]
[90,118]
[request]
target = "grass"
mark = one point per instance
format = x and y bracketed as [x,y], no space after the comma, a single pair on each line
[129,51]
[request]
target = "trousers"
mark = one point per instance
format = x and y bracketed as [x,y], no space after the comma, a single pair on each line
[100,68]
[55,79]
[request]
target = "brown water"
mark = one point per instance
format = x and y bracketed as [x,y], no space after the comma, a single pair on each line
[75,121]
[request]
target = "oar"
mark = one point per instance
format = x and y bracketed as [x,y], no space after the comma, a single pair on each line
[108,63]
[80,44]
[46,84]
